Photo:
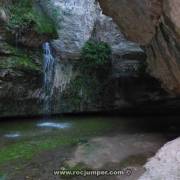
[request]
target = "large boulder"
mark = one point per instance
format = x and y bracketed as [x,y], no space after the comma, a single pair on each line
[165,165]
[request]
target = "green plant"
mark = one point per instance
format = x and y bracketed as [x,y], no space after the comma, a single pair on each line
[20,13]
[95,53]
[26,149]
[93,72]
[19,60]
[24,15]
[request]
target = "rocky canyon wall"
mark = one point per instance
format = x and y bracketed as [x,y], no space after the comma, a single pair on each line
[77,22]
[155,25]
[21,58]
[68,25]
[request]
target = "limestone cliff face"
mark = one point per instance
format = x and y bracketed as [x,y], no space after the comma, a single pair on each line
[137,19]
[155,25]
[113,86]
[20,63]
[78,21]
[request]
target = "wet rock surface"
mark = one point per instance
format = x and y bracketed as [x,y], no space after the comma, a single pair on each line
[122,83]
[120,151]
[89,143]
[100,151]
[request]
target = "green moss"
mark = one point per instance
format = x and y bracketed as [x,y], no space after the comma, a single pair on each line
[24,15]
[82,90]
[19,63]
[43,23]
[7,49]
[93,72]
[95,53]
[26,149]
[17,58]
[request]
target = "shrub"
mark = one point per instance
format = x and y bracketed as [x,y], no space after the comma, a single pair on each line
[95,53]
[24,15]
[88,85]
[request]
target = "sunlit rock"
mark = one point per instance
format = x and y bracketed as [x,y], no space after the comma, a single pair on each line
[165,165]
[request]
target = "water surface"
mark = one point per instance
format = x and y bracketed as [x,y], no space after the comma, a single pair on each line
[22,140]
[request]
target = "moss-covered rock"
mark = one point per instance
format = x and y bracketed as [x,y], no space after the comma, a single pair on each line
[86,90]
[21,63]
[27,23]
[25,13]
[19,58]
[95,53]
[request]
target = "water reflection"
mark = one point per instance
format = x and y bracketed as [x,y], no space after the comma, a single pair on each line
[12,135]
[54,125]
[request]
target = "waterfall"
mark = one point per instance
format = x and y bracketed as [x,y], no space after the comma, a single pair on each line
[49,65]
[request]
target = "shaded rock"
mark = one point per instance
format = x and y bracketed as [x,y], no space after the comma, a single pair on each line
[20,93]
[154,24]
[30,38]
[6,49]
[129,68]
[3,16]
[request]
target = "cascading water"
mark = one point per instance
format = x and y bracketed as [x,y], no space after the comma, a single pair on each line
[49,65]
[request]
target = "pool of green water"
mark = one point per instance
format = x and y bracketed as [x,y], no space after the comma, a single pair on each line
[24,139]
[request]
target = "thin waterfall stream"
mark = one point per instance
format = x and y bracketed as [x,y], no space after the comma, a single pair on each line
[48,69]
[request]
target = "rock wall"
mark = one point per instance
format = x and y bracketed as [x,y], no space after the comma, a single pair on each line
[155,25]
[121,83]
[77,22]
[20,62]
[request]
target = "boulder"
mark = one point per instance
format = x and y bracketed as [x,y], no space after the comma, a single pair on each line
[165,165]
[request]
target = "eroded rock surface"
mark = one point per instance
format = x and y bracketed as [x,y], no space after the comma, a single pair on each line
[120,151]
[165,164]
[79,21]
[154,24]
[120,84]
